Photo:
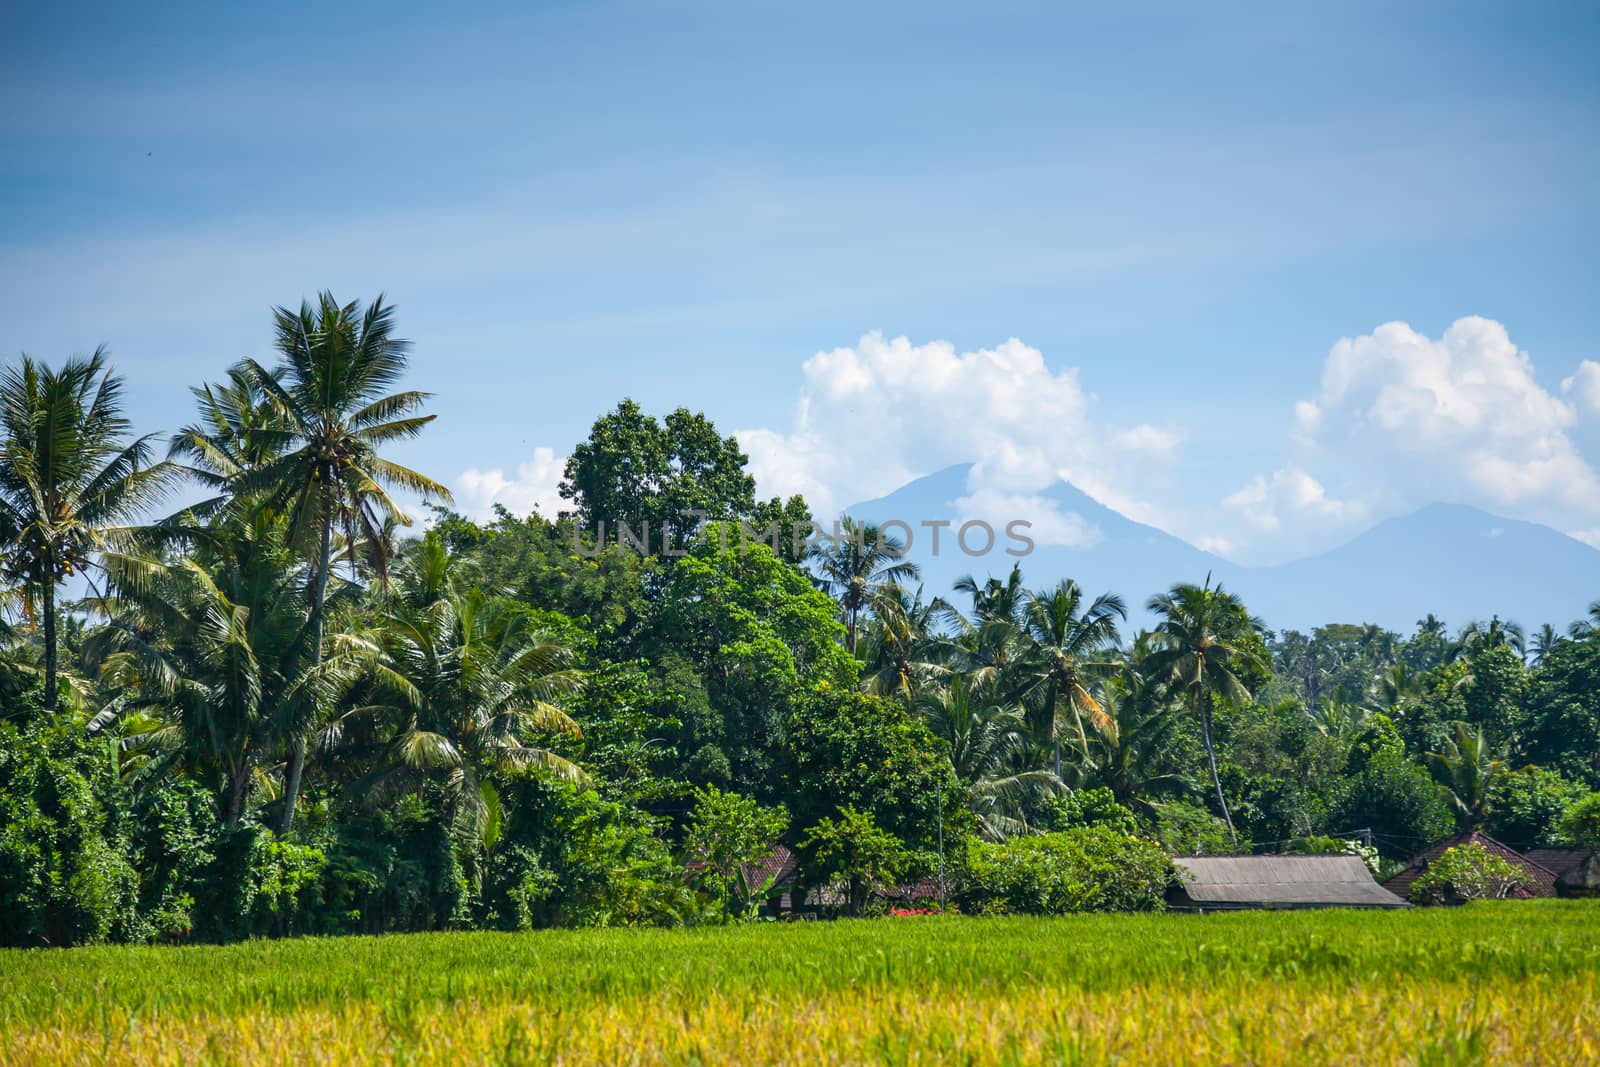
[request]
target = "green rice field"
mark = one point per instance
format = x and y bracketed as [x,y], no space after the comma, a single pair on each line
[1510,982]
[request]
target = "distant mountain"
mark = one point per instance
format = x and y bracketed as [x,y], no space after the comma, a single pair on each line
[1455,561]
[1116,554]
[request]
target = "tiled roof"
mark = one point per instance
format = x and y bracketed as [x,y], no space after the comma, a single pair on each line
[1577,869]
[780,866]
[1543,878]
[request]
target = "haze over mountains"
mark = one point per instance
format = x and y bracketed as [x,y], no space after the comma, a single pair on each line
[1455,561]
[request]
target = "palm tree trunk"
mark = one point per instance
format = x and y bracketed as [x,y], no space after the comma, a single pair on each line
[50,645]
[291,783]
[1211,760]
[319,593]
[238,779]
[1055,733]
[853,612]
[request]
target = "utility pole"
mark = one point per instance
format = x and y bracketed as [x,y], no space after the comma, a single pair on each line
[940,816]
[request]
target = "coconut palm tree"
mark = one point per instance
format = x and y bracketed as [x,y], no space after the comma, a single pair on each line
[1587,626]
[330,402]
[1199,648]
[468,678]
[1430,645]
[213,647]
[989,749]
[71,482]
[1398,684]
[1340,719]
[1071,641]
[1477,636]
[994,600]
[1430,626]
[1544,642]
[855,566]
[992,641]
[1130,745]
[901,650]
[1466,772]
[239,431]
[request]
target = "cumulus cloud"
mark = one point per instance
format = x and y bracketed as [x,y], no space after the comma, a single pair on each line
[1403,419]
[535,486]
[1292,495]
[1048,525]
[1155,442]
[873,416]
[1584,387]
[1216,545]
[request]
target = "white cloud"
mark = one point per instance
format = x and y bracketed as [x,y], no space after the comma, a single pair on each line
[1220,546]
[875,415]
[1402,420]
[1050,525]
[1155,442]
[1290,496]
[1462,415]
[1589,537]
[1584,387]
[535,487]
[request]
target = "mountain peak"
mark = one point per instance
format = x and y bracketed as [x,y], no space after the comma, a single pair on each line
[1454,560]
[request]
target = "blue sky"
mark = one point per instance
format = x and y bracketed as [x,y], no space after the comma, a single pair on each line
[1178,212]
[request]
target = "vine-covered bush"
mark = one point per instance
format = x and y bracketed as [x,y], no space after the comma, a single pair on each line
[65,875]
[1468,872]
[567,857]
[1083,869]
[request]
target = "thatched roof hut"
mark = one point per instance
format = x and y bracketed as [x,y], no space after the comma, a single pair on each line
[1229,883]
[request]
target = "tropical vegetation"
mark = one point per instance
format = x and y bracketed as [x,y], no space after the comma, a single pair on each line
[268,683]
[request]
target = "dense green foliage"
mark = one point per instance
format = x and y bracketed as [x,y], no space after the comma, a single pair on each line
[275,712]
[1090,868]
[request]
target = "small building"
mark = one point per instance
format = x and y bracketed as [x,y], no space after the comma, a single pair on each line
[1577,870]
[1541,879]
[783,868]
[1233,883]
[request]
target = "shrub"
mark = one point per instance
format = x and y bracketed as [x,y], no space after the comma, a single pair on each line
[1468,872]
[1316,845]
[568,857]
[177,834]
[1084,869]
[728,832]
[854,850]
[1187,829]
[1089,807]
[390,869]
[1581,823]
